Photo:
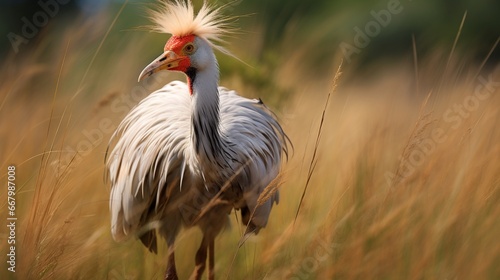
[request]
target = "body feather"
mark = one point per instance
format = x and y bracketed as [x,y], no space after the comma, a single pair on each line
[155,151]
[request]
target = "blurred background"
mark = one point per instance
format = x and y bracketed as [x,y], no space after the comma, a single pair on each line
[325,24]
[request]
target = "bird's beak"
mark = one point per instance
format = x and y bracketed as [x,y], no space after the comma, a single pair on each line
[165,61]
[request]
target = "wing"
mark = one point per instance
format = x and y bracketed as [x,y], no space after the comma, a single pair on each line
[150,152]
[259,142]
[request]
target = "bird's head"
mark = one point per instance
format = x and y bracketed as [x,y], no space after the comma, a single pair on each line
[193,37]
[181,53]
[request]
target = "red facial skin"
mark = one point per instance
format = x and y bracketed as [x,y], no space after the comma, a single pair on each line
[175,44]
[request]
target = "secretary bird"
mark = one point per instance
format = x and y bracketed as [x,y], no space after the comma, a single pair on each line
[191,152]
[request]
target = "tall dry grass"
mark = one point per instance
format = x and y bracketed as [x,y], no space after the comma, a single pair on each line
[401,189]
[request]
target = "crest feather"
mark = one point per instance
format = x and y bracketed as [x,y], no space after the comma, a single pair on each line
[178,18]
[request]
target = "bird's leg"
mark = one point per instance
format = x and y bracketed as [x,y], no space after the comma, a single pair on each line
[171,270]
[200,259]
[211,260]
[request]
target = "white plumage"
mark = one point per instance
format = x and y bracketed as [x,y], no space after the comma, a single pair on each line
[190,153]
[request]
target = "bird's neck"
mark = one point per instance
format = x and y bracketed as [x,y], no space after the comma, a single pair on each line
[205,133]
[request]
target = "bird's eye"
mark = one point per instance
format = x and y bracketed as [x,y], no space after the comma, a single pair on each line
[189,48]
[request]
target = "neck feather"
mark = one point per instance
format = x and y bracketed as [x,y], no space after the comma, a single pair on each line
[205,134]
